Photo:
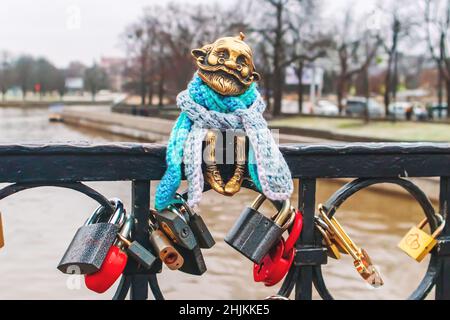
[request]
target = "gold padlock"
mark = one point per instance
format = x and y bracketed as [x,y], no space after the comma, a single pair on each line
[361,260]
[332,249]
[2,239]
[417,243]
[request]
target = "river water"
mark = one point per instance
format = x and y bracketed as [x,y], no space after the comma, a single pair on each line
[40,223]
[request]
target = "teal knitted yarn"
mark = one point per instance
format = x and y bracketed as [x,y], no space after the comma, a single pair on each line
[203,95]
[174,156]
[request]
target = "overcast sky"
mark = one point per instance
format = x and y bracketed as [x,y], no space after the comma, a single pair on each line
[83,30]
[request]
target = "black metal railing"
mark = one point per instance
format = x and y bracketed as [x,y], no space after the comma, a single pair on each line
[68,165]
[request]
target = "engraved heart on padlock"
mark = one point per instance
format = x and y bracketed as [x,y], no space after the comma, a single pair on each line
[111,269]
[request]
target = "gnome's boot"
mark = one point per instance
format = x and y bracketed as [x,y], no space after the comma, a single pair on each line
[234,184]
[212,173]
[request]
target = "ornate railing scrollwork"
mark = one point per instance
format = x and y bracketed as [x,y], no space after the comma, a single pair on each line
[69,165]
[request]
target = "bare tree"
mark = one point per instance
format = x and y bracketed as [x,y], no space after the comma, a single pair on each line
[159,45]
[399,23]
[60,83]
[6,74]
[263,62]
[306,42]
[349,45]
[437,19]
[95,79]
[138,50]
[24,72]
[275,27]
[44,75]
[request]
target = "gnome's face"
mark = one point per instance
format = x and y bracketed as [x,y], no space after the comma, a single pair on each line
[226,65]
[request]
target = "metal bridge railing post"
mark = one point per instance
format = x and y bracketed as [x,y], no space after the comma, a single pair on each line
[141,206]
[443,278]
[306,204]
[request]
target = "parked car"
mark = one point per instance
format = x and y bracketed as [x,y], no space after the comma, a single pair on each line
[399,110]
[420,112]
[356,107]
[437,111]
[326,108]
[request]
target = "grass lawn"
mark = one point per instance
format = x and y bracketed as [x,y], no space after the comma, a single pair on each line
[402,131]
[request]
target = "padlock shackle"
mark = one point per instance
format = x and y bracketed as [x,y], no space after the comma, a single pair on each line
[125,231]
[183,202]
[439,228]
[340,235]
[280,217]
[116,217]
[176,211]
[257,203]
[179,200]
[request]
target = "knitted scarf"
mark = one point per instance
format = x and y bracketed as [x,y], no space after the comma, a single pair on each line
[203,109]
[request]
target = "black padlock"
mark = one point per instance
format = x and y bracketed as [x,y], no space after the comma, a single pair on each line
[133,248]
[91,243]
[254,234]
[193,260]
[202,234]
[174,223]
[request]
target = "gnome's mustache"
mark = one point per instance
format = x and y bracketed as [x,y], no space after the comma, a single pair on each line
[222,82]
[236,74]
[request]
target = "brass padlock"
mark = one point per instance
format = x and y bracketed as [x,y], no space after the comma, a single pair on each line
[417,243]
[165,250]
[2,239]
[361,260]
[332,249]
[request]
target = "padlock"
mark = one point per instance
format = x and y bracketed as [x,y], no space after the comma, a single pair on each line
[361,260]
[164,248]
[417,243]
[2,238]
[175,225]
[117,258]
[201,232]
[254,235]
[332,249]
[91,243]
[137,251]
[114,263]
[276,264]
[194,262]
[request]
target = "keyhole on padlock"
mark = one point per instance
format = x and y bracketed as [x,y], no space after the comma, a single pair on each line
[184,232]
[170,258]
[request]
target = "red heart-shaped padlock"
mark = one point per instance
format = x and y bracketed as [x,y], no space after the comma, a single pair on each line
[109,272]
[275,265]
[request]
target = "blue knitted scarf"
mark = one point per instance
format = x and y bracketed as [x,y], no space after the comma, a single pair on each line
[202,109]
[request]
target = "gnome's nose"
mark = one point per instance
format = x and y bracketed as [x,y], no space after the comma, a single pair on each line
[231,64]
